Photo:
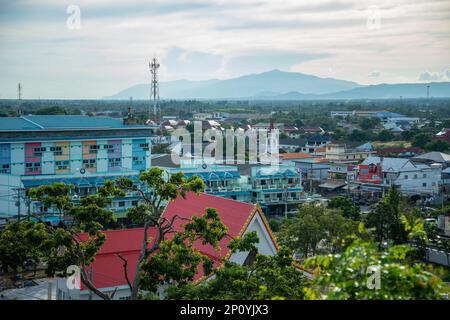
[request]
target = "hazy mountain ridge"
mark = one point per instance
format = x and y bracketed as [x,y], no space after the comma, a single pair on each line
[280,85]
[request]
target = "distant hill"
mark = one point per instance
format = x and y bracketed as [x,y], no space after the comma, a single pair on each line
[280,85]
[265,84]
[389,91]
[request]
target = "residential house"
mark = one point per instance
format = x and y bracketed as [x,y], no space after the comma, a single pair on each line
[315,142]
[376,174]
[277,188]
[444,134]
[292,145]
[434,157]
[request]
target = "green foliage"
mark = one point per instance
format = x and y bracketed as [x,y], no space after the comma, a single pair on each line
[177,261]
[349,209]
[438,145]
[22,243]
[386,219]
[266,278]
[353,275]
[56,195]
[274,224]
[316,224]
[385,135]
[421,140]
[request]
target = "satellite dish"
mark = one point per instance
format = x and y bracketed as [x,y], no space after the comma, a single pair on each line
[204,166]
[82,171]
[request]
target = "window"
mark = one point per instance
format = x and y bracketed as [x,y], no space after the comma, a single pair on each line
[32,167]
[62,165]
[134,202]
[121,203]
[57,151]
[114,162]
[89,163]
[94,148]
[415,176]
[138,161]
[5,168]
[406,177]
[433,184]
[37,152]
[424,175]
[424,184]
[144,146]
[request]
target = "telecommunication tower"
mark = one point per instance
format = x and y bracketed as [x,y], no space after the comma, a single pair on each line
[154,90]
[19,99]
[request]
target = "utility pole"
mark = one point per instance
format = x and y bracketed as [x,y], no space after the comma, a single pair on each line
[18,198]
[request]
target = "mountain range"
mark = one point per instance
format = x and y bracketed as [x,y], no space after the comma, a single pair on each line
[280,85]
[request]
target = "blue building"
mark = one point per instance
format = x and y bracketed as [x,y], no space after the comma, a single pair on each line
[79,150]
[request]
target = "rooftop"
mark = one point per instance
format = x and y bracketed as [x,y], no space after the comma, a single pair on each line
[108,267]
[434,156]
[61,122]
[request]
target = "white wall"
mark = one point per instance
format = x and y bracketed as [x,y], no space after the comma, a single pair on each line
[8,195]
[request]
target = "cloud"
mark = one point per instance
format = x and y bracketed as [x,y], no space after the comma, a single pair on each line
[203,39]
[374,74]
[434,76]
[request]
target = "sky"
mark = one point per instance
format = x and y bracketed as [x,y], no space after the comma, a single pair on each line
[88,49]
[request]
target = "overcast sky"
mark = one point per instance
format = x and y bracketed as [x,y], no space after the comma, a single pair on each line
[365,41]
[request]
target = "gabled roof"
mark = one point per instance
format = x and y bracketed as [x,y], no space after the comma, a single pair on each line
[236,215]
[434,156]
[388,164]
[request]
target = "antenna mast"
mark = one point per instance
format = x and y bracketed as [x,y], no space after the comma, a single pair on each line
[19,98]
[154,90]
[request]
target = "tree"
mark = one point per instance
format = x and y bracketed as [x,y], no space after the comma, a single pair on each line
[22,244]
[65,246]
[268,277]
[349,209]
[385,135]
[421,140]
[177,260]
[369,123]
[154,192]
[438,145]
[364,272]
[386,219]
[314,225]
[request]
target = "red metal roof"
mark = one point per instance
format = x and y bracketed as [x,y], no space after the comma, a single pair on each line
[108,267]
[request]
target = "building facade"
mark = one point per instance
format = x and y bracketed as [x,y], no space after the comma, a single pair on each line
[377,174]
[78,150]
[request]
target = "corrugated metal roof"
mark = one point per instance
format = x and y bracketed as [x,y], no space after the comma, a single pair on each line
[60,122]
[108,268]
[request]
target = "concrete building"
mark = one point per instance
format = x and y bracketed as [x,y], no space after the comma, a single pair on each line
[377,174]
[79,150]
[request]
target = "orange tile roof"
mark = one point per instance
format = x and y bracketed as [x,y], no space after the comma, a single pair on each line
[295,155]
